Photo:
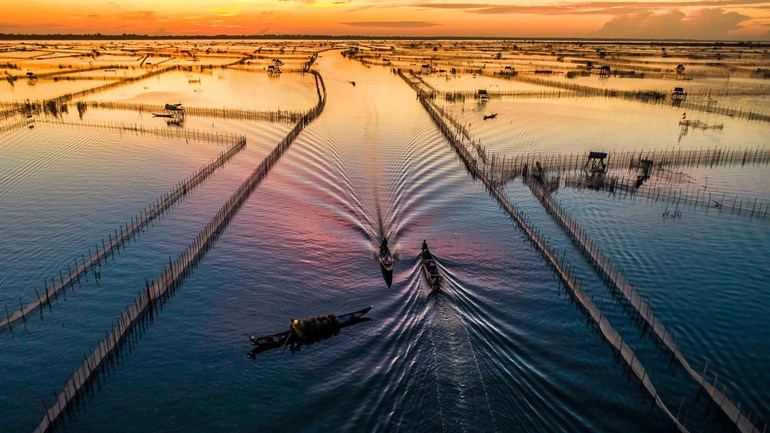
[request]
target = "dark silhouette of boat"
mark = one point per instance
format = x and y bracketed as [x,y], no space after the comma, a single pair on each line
[678,94]
[490,116]
[386,261]
[171,110]
[307,331]
[429,268]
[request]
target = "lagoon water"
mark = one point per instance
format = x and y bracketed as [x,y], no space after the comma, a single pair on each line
[501,348]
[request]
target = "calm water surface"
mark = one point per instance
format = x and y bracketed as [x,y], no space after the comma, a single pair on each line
[502,348]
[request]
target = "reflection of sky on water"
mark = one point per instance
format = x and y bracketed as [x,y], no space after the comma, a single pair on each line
[501,349]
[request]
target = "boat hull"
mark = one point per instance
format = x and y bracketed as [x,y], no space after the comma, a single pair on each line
[431,277]
[430,269]
[387,275]
[287,338]
[386,264]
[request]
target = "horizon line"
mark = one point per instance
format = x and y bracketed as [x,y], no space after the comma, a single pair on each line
[300,36]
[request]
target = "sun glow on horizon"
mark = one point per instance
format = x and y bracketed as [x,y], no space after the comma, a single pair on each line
[696,19]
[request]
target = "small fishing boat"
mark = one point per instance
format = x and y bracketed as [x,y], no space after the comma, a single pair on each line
[490,116]
[175,112]
[429,268]
[307,331]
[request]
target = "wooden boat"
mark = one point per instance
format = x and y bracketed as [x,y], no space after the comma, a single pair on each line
[174,112]
[307,331]
[429,268]
[490,116]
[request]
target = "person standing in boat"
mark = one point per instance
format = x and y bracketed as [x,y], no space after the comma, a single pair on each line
[296,328]
[425,252]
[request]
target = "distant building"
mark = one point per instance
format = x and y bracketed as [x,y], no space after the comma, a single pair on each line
[273,70]
[509,71]
[678,94]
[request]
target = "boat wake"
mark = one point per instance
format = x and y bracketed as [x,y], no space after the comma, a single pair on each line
[459,374]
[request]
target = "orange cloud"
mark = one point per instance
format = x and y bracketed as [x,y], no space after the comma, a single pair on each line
[725,19]
[223,12]
[714,24]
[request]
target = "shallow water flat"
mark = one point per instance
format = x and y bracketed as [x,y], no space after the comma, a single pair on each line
[500,348]
[220,88]
[65,188]
[23,89]
[566,125]
[484,355]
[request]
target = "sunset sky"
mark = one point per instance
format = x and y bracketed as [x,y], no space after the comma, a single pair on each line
[697,19]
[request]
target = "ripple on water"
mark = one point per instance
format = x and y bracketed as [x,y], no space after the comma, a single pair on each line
[502,348]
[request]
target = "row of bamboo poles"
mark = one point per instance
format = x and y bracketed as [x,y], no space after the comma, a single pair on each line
[630,159]
[12,126]
[115,240]
[478,62]
[463,95]
[215,137]
[11,112]
[574,288]
[160,289]
[284,116]
[612,275]
[565,274]
[690,197]
[502,169]
[616,281]
[31,107]
[114,84]
[69,71]
[574,89]
[646,96]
